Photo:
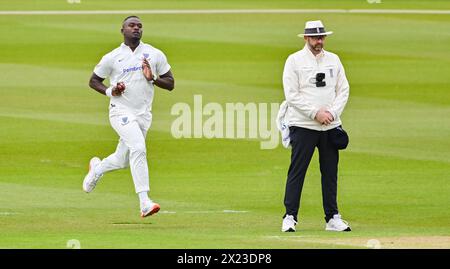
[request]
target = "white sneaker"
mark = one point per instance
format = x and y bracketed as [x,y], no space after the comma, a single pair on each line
[149,208]
[91,179]
[288,224]
[337,224]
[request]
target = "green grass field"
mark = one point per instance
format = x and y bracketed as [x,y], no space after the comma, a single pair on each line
[394,179]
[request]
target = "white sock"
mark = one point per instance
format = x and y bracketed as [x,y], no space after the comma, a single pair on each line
[143,197]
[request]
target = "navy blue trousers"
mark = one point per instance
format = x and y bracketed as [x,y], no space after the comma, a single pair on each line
[303,142]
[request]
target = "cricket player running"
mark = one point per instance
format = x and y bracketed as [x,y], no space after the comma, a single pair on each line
[133,69]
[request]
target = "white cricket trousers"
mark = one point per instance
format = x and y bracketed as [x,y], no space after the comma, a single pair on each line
[131,150]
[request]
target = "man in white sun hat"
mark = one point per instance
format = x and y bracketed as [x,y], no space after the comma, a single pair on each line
[316,92]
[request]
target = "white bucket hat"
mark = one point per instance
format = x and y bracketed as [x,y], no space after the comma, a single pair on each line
[314,28]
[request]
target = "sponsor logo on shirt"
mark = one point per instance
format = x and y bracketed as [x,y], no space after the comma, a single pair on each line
[132,69]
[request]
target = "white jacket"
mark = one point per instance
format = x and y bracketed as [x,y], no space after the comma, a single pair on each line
[304,98]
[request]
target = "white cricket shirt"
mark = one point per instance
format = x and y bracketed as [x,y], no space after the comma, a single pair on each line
[124,65]
[304,98]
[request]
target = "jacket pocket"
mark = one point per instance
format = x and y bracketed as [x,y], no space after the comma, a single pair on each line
[305,75]
[331,74]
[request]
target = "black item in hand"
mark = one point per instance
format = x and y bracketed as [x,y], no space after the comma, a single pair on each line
[319,80]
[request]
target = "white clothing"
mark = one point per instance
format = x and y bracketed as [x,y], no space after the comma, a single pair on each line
[282,125]
[130,113]
[131,150]
[124,65]
[304,98]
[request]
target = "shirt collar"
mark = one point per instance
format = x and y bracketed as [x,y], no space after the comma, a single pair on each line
[309,52]
[123,46]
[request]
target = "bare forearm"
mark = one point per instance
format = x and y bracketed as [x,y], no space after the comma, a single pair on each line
[98,86]
[96,83]
[167,83]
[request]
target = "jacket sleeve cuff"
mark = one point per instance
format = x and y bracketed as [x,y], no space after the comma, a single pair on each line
[333,113]
[313,114]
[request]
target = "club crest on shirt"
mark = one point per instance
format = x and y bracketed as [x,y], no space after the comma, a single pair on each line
[146,55]
[125,121]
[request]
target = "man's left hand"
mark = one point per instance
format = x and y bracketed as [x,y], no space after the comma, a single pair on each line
[330,118]
[148,74]
[324,116]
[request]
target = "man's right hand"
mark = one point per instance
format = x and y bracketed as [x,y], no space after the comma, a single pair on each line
[118,89]
[324,117]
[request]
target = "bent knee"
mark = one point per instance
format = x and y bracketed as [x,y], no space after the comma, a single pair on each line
[138,149]
[124,164]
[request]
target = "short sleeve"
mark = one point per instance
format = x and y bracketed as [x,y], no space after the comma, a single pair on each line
[103,69]
[162,66]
